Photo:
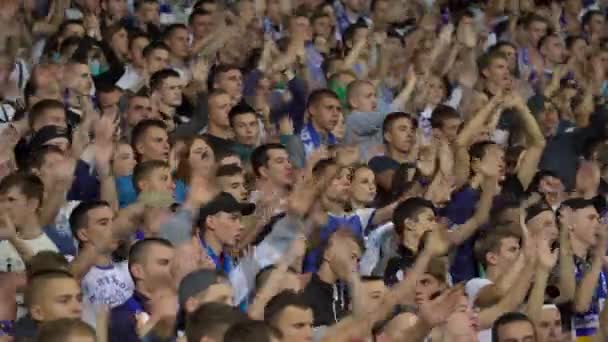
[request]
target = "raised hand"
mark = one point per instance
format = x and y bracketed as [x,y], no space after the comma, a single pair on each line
[437,242]
[286,125]
[104,143]
[547,259]
[7,229]
[436,312]
[200,70]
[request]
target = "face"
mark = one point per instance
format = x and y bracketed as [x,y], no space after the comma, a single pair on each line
[17,206]
[511,54]
[278,170]
[154,145]
[231,82]
[295,324]
[124,160]
[450,128]
[326,113]
[201,26]
[120,42]
[365,99]
[202,158]
[519,331]
[50,117]
[116,9]
[220,292]
[339,187]
[246,129]
[227,227]
[426,286]
[139,109]
[99,227]
[62,299]
[51,160]
[322,26]
[171,91]
[159,180]
[136,51]
[300,27]
[494,155]
[178,43]
[156,264]
[234,185]
[374,292]
[401,135]
[596,24]
[346,246]
[548,120]
[414,229]
[579,50]
[544,225]
[554,50]
[498,72]
[507,254]
[79,79]
[149,13]
[436,90]
[363,186]
[586,226]
[536,31]
[219,107]
[550,326]
[157,60]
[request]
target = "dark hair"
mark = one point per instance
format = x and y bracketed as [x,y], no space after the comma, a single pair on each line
[578,203]
[390,119]
[144,169]
[158,78]
[61,329]
[196,13]
[490,241]
[487,58]
[138,251]
[142,127]
[155,46]
[168,32]
[212,320]
[259,156]
[442,113]
[252,331]
[38,156]
[351,30]
[29,184]
[532,17]
[229,170]
[134,35]
[507,318]
[139,3]
[478,150]
[262,277]
[217,71]
[282,301]
[317,95]
[198,5]
[40,108]
[588,16]
[409,209]
[570,40]
[78,217]
[240,109]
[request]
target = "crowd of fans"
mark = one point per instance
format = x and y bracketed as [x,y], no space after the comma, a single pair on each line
[303,170]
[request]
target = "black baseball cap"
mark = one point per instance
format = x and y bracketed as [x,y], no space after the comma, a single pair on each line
[224,202]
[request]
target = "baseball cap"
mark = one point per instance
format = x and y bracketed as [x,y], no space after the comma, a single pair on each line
[48,133]
[224,202]
[197,282]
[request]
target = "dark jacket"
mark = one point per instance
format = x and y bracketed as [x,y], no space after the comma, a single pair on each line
[329,302]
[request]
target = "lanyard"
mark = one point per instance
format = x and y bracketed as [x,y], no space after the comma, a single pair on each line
[223,262]
[134,305]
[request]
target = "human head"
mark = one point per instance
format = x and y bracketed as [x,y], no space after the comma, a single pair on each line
[244,123]
[361,96]
[290,313]
[338,188]
[175,37]
[167,86]
[587,177]
[77,78]
[21,196]
[510,51]
[210,321]
[324,109]
[116,36]
[43,161]
[45,113]
[536,27]
[270,162]
[150,262]
[399,131]
[513,327]
[229,79]
[486,154]
[53,295]
[494,68]
[92,221]
[66,330]
[196,157]
[446,121]
[374,289]
[343,245]
[546,114]
[148,11]
[226,156]
[498,248]
[153,176]
[156,56]
[363,185]
[123,162]
[412,218]
[150,140]
[552,49]
[139,108]
[231,179]
[221,219]
[204,286]
[541,222]
[432,282]
[584,227]
[219,103]
[57,136]
[114,9]
[593,22]
[549,328]
[201,23]
[254,331]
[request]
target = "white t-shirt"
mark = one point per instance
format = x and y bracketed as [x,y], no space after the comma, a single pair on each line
[9,255]
[111,285]
[472,289]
